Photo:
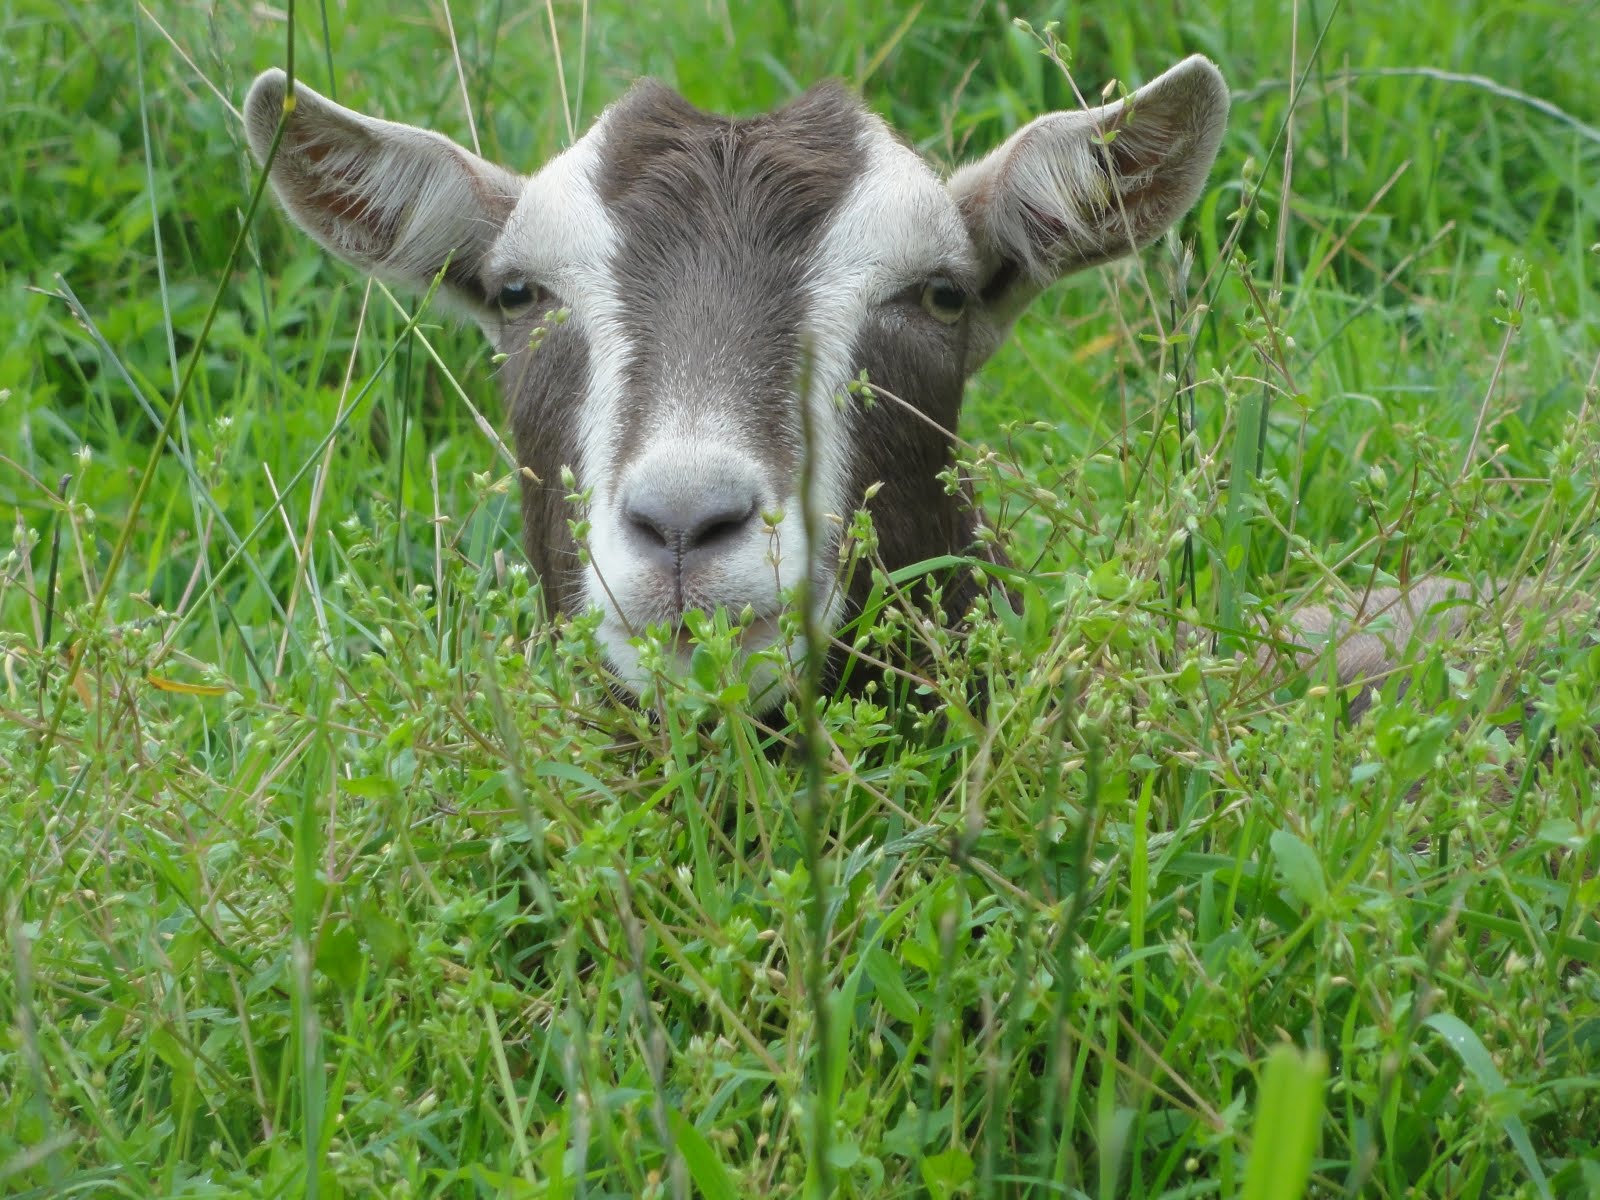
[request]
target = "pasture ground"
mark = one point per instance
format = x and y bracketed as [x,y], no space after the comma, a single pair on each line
[319,877]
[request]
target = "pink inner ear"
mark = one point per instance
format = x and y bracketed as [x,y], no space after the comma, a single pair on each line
[1043,228]
[338,193]
[347,205]
[314,150]
[1120,150]
[339,196]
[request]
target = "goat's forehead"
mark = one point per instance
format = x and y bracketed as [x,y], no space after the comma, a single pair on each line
[655,174]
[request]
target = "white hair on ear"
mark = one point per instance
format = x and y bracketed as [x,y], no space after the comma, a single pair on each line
[390,198]
[1050,196]
[1071,189]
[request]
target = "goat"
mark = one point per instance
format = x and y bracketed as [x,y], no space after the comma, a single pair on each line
[724,280]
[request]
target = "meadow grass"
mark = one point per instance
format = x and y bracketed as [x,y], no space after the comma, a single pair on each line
[331,868]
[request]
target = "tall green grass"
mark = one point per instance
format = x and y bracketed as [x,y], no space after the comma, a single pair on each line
[330,868]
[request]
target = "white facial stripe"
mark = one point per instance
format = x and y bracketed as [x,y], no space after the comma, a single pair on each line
[896,228]
[562,238]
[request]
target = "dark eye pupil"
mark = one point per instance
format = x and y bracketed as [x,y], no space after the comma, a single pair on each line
[943,300]
[515,295]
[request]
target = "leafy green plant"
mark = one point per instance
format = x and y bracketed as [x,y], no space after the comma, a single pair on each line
[331,867]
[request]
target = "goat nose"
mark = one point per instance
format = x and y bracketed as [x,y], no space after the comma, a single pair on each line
[675,526]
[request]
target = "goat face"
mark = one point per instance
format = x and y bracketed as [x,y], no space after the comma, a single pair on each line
[724,281]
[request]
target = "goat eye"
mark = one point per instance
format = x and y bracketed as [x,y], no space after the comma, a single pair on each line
[516,294]
[943,300]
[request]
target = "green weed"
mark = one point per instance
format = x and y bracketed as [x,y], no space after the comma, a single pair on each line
[331,868]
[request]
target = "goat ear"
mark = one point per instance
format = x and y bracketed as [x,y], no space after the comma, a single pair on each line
[1072,189]
[392,199]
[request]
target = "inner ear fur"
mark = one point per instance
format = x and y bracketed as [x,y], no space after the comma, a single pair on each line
[1073,189]
[394,200]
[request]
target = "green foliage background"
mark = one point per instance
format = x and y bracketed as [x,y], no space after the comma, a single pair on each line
[321,877]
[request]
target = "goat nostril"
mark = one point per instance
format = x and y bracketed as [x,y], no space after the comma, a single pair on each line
[719,527]
[657,533]
[696,523]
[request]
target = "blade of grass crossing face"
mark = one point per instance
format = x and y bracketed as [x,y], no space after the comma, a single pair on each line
[813,820]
